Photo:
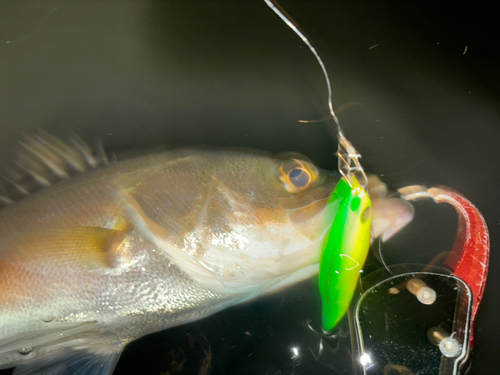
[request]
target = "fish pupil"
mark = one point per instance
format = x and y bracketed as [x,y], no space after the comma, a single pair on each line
[294,173]
[299,178]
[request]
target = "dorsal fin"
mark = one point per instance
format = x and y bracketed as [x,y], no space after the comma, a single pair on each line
[44,160]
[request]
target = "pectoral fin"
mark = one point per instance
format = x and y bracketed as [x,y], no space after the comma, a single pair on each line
[88,245]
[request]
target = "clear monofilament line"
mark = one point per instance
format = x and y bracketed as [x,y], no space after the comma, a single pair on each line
[292,25]
[347,155]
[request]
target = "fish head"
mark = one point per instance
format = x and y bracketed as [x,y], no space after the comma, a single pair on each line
[242,222]
[265,220]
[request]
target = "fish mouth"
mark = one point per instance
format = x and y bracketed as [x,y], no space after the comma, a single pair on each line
[312,220]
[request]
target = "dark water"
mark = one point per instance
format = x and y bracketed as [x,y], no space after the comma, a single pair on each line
[228,73]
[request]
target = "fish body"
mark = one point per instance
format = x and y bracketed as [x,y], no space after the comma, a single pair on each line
[105,257]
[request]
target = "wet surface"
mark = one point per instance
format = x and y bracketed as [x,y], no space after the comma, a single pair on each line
[144,74]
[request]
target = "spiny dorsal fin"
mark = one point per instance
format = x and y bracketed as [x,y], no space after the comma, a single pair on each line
[44,160]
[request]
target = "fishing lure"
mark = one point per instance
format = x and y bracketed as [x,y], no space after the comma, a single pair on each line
[346,247]
[344,250]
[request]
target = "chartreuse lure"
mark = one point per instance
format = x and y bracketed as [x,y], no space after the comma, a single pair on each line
[346,246]
[344,250]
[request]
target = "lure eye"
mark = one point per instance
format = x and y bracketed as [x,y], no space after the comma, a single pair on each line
[299,178]
[297,175]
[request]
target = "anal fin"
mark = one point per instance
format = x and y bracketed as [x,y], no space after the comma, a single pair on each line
[62,349]
[44,337]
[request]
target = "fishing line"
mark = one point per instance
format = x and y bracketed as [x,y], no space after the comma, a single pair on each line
[296,28]
[379,255]
[348,157]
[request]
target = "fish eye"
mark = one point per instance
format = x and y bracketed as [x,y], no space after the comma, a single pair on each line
[297,175]
[299,178]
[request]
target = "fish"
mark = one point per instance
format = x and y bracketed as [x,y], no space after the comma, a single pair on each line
[96,253]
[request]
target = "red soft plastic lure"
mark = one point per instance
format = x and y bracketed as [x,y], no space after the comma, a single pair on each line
[470,254]
[469,257]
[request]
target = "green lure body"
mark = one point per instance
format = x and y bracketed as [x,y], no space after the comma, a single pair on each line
[344,250]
